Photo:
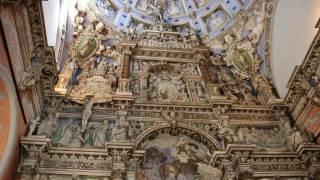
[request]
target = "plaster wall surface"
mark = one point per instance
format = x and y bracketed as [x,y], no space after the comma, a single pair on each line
[293,32]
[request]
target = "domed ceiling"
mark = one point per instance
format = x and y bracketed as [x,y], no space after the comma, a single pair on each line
[236,32]
[222,25]
[207,17]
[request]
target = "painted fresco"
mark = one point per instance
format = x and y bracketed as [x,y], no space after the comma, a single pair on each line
[312,124]
[176,158]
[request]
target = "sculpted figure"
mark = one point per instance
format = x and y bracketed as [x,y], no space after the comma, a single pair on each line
[71,136]
[67,73]
[121,130]
[48,126]
[101,68]
[89,137]
[33,125]
[27,80]
[157,10]
[78,22]
[256,32]
[252,136]
[99,27]
[87,112]
[193,37]
[100,136]
[261,84]
[199,90]
[119,133]
[294,138]
[225,130]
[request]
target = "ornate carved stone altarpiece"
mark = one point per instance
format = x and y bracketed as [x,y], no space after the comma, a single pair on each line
[159,105]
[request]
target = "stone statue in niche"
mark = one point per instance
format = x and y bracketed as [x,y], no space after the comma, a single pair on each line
[122,130]
[294,138]
[135,85]
[200,90]
[70,136]
[95,135]
[136,66]
[225,131]
[27,80]
[48,125]
[101,132]
[33,125]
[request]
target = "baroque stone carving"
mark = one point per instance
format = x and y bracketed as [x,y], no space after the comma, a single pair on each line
[27,80]
[178,92]
[33,125]
[122,130]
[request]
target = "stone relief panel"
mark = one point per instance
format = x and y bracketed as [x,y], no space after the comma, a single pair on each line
[167,85]
[167,82]
[68,134]
[177,157]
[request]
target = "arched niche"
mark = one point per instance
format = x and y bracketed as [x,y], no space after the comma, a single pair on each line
[177,152]
[180,129]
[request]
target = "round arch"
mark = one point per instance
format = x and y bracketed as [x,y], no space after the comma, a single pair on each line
[180,129]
